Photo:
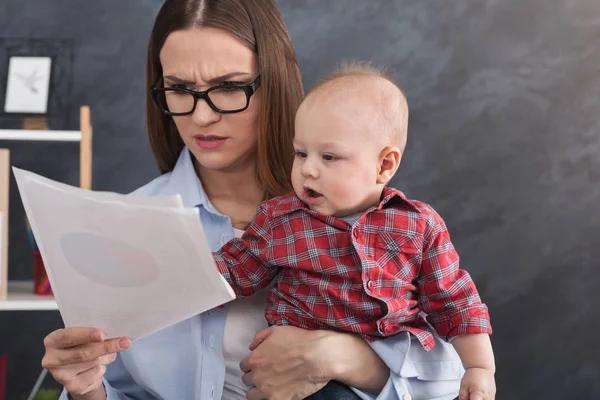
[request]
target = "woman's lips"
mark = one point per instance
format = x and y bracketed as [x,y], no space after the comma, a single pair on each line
[209,142]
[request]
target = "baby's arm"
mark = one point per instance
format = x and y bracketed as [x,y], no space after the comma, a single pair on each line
[447,294]
[244,262]
[450,299]
[477,356]
[475,351]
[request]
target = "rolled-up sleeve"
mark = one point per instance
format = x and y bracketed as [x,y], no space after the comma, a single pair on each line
[447,294]
[244,262]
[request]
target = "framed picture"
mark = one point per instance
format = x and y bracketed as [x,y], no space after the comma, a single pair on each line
[35,79]
[28,84]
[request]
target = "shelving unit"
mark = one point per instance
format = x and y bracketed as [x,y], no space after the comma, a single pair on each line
[21,298]
[36,135]
[18,295]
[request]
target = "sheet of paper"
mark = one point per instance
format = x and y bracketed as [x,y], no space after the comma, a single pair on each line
[126,264]
[160,201]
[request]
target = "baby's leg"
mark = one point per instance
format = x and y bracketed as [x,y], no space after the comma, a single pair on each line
[334,391]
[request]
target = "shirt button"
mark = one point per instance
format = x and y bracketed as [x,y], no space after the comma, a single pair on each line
[212,340]
[355,233]
[382,327]
[223,241]
[371,285]
[407,397]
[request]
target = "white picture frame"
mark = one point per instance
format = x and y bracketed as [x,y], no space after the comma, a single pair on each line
[28,85]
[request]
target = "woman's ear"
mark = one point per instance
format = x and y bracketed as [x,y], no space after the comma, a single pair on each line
[389,161]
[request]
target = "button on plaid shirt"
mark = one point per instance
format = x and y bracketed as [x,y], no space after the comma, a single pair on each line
[395,269]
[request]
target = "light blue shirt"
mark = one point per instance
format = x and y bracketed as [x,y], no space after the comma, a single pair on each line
[185,360]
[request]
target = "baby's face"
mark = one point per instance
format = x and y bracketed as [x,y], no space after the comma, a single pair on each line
[336,161]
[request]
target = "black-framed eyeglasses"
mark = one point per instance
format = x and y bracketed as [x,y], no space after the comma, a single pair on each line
[227,98]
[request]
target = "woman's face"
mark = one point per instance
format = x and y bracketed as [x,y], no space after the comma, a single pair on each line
[200,58]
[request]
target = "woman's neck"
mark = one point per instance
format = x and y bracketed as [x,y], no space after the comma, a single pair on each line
[240,186]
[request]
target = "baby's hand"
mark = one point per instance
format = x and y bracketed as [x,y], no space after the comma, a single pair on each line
[477,384]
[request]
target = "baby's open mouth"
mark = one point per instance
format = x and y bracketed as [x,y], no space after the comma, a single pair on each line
[313,194]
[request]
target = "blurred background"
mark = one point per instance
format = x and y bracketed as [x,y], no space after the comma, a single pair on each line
[504,142]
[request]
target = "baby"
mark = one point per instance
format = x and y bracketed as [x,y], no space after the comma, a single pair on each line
[349,253]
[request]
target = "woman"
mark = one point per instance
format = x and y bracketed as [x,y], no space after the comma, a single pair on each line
[224,87]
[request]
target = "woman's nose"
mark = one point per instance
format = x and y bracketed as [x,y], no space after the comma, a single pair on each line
[203,115]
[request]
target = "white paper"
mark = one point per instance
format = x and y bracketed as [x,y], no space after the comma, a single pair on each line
[126,264]
[159,201]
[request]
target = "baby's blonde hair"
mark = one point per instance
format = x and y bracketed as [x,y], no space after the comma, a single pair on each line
[395,110]
[351,68]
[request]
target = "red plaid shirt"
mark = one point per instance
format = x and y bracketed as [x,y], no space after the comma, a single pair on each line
[373,277]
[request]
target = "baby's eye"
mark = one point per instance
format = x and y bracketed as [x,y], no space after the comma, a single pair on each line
[328,157]
[300,154]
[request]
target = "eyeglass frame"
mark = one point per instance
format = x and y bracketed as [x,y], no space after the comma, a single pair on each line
[248,88]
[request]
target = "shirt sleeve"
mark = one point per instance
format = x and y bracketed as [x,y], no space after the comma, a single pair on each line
[118,384]
[447,294]
[416,373]
[244,262]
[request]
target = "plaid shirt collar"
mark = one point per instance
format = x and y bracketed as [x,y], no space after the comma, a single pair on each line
[289,203]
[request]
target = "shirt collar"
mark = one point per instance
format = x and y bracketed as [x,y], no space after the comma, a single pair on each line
[391,195]
[290,202]
[185,181]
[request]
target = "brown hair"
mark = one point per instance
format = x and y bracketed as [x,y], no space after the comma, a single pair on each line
[260,26]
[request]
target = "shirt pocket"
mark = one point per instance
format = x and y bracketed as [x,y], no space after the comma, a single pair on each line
[399,255]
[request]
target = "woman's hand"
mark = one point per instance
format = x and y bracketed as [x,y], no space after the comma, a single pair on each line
[284,364]
[77,359]
[293,363]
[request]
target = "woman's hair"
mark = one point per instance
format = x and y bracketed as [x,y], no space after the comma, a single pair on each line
[260,26]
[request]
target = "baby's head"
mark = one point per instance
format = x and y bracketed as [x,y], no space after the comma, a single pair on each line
[349,138]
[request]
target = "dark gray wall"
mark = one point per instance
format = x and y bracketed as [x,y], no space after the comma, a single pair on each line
[503,143]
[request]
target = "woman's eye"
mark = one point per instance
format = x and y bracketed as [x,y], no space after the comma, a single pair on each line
[328,157]
[300,154]
[177,92]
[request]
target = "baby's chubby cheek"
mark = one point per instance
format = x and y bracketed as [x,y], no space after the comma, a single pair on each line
[341,193]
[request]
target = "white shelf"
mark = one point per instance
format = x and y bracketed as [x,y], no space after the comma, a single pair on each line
[21,298]
[44,136]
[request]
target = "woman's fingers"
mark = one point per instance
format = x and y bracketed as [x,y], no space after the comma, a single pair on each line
[245,364]
[82,353]
[85,381]
[64,374]
[77,357]
[82,378]
[70,337]
[281,366]
[247,379]
[255,394]
[260,337]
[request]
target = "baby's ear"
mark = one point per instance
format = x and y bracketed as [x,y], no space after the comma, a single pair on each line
[389,161]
